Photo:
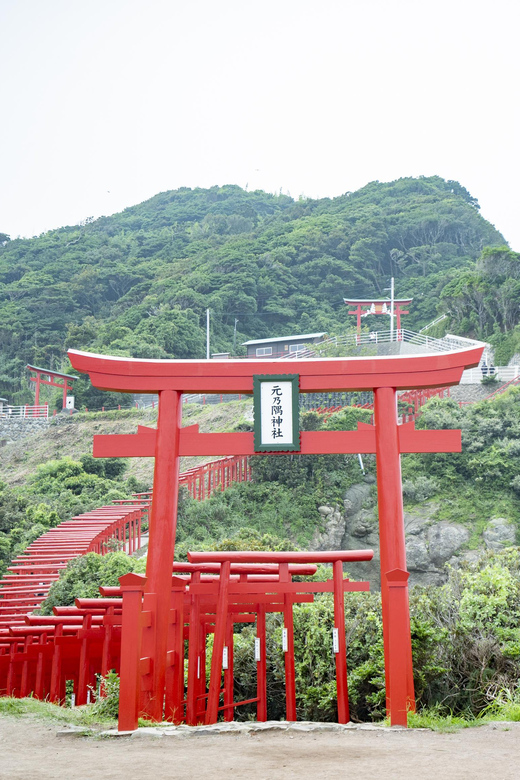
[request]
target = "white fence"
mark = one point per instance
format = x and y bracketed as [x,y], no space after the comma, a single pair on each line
[26,412]
[337,345]
[502,374]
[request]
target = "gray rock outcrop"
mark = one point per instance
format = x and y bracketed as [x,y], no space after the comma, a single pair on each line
[499,533]
[430,544]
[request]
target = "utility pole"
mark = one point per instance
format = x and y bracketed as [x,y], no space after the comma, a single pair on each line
[392,307]
[392,299]
[207,334]
[235,337]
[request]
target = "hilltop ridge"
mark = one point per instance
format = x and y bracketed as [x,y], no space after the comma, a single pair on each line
[138,283]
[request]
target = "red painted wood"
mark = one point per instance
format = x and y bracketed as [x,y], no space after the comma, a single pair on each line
[261,666]
[391,539]
[132,586]
[218,645]
[341,655]
[123,374]
[261,556]
[162,536]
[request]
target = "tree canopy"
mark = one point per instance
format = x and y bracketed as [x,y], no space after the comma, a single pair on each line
[138,283]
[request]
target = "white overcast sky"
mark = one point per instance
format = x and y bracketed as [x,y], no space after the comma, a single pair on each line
[104,103]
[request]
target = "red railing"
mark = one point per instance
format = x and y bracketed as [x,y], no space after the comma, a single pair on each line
[202,481]
[27,582]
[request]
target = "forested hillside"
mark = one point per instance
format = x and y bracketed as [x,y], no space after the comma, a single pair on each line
[138,283]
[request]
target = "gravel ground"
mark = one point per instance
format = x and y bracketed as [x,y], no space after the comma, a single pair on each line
[33,750]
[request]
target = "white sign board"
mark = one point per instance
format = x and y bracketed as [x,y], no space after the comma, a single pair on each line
[69,402]
[257,648]
[276,413]
[285,640]
[225,658]
[335,640]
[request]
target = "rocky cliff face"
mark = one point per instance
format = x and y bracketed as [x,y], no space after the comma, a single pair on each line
[430,544]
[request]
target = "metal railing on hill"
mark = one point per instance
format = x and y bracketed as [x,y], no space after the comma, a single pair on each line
[473,376]
[353,341]
[24,412]
[433,323]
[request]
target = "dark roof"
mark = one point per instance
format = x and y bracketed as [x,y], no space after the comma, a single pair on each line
[368,301]
[50,373]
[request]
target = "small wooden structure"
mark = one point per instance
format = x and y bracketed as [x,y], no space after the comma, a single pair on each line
[281,346]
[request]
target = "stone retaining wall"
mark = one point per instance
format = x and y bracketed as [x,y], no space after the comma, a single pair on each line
[472,393]
[15,428]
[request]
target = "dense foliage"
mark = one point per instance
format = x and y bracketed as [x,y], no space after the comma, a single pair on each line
[484,300]
[84,576]
[481,482]
[283,497]
[138,283]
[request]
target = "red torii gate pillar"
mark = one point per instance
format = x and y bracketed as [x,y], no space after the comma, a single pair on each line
[392,547]
[162,528]
[387,439]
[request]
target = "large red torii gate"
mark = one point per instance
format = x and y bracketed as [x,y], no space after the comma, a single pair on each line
[386,438]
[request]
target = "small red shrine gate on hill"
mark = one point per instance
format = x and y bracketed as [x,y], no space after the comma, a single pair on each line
[365,306]
[386,438]
[54,379]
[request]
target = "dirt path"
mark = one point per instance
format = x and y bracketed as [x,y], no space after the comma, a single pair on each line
[33,751]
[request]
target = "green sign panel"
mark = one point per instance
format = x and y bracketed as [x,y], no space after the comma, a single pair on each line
[276,412]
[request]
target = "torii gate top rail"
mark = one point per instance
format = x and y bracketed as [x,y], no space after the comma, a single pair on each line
[403,372]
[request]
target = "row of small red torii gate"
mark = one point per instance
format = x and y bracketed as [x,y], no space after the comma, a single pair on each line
[151,672]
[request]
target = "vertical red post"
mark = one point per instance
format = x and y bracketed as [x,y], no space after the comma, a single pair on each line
[290,674]
[261,665]
[37,389]
[341,649]
[229,672]
[399,632]
[56,692]
[132,586]
[24,682]
[106,656]
[392,540]
[201,681]
[193,656]
[40,668]
[83,662]
[218,644]
[163,522]
[175,676]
